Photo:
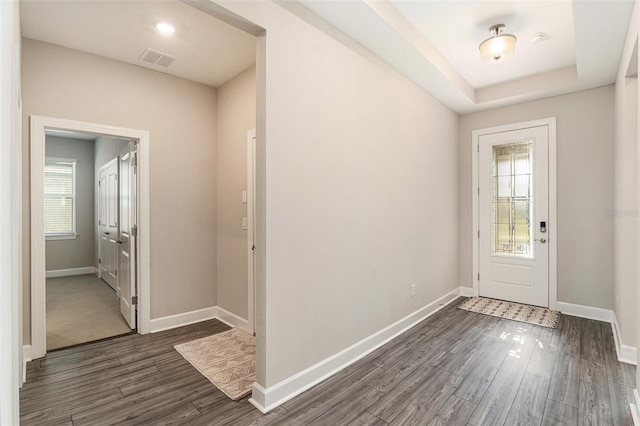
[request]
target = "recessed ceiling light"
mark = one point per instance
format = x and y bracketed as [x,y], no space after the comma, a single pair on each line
[165,28]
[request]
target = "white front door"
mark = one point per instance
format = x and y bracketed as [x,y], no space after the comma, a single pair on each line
[108,222]
[513,169]
[127,234]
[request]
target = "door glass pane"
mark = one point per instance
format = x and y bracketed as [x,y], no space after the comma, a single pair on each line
[512,199]
[521,183]
[502,213]
[504,186]
[521,212]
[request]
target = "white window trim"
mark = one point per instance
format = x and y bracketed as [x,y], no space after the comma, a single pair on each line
[53,236]
[56,237]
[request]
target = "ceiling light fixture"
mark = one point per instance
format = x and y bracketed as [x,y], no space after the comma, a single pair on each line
[165,28]
[499,46]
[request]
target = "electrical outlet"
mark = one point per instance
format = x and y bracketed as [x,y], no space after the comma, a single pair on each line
[413,290]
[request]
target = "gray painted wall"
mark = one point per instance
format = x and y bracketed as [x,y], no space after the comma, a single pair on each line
[236,115]
[358,171]
[78,252]
[585,132]
[180,116]
[106,150]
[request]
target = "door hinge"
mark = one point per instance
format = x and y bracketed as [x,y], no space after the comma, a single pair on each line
[116,273]
[478,146]
[99,260]
[134,300]
[134,231]
[134,160]
[478,276]
[478,234]
[478,190]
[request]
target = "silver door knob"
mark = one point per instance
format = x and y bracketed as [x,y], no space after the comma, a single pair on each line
[542,240]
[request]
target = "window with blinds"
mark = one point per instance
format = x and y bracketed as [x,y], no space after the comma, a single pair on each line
[60,197]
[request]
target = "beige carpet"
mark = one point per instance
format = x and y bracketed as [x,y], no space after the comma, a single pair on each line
[514,311]
[81,309]
[227,359]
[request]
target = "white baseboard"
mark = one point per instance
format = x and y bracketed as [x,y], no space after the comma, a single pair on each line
[71,272]
[588,312]
[257,397]
[231,319]
[192,317]
[627,354]
[266,400]
[466,291]
[179,320]
[635,408]
[26,357]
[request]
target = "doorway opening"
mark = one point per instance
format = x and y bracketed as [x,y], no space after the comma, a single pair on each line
[81,307]
[514,213]
[116,302]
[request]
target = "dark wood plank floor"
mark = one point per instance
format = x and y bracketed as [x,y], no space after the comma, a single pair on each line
[455,368]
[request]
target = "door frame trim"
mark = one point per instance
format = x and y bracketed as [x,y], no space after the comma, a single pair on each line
[550,122]
[251,207]
[38,125]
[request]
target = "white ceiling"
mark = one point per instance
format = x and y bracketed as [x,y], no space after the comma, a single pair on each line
[206,49]
[457,28]
[434,43]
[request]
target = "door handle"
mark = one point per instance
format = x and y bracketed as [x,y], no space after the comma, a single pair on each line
[542,240]
[106,233]
[119,241]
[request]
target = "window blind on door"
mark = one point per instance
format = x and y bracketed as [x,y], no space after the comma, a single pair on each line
[59,197]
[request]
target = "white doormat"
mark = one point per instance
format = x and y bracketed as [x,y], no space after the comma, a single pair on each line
[514,311]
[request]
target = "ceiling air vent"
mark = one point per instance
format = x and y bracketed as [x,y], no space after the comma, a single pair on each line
[157,58]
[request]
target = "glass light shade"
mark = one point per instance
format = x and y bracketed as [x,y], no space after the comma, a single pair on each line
[497,48]
[165,28]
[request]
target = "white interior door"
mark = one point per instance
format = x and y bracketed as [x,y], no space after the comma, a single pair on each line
[513,177]
[126,238]
[108,222]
